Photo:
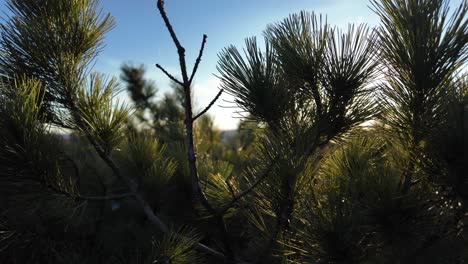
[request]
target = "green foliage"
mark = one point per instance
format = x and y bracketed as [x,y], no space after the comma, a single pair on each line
[214,178]
[149,161]
[447,145]
[350,67]
[422,47]
[353,211]
[28,152]
[34,183]
[176,247]
[95,108]
[53,41]
[300,41]
[304,179]
[355,184]
[23,100]
[255,81]
[309,76]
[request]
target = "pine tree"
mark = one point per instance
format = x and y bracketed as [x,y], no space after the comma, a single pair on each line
[354,148]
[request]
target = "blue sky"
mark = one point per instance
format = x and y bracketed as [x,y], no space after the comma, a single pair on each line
[141,38]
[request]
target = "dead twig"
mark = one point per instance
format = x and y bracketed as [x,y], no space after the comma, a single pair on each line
[209,105]
[197,62]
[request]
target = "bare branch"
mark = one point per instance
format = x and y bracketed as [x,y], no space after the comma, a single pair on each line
[197,62]
[160,5]
[209,105]
[198,195]
[169,75]
[191,152]
[180,49]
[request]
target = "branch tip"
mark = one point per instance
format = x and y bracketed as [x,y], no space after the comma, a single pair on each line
[169,75]
[198,60]
[209,105]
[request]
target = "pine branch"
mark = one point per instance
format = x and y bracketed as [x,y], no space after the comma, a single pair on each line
[209,105]
[104,155]
[129,182]
[143,203]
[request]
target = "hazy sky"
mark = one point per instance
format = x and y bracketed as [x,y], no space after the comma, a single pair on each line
[141,38]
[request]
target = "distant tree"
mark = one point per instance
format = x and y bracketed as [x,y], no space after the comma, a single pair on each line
[141,90]
[164,116]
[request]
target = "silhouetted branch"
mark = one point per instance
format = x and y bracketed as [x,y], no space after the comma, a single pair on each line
[105,156]
[209,105]
[231,190]
[160,5]
[198,195]
[197,62]
[180,49]
[130,184]
[169,75]
[250,189]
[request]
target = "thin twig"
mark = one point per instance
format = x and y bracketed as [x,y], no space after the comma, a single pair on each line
[169,75]
[250,189]
[230,102]
[160,5]
[129,182]
[197,62]
[231,190]
[228,107]
[180,49]
[209,105]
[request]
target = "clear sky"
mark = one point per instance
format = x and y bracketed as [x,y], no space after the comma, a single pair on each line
[141,38]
